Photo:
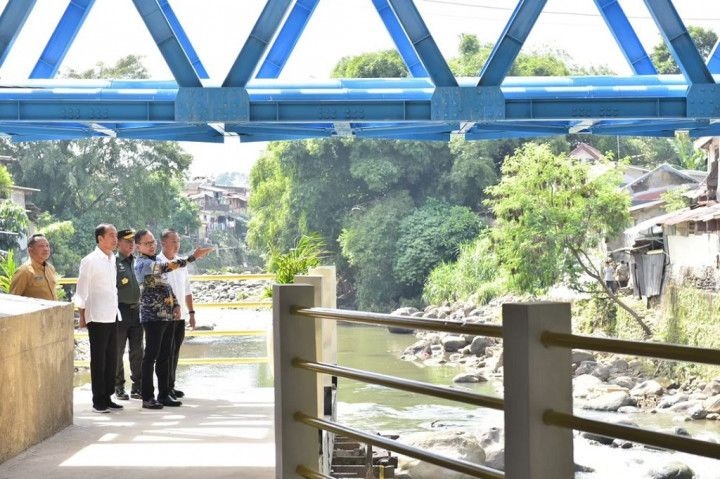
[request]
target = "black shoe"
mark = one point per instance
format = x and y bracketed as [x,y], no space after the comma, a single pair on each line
[152,404]
[121,395]
[135,395]
[178,393]
[171,395]
[170,402]
[114,405]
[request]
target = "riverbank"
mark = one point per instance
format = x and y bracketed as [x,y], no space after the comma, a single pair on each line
[625,388]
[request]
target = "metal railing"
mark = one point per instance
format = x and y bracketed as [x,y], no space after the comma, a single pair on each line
[538,414]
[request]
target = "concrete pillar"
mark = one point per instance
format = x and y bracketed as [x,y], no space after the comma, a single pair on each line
[323,279]
[295,389]
[537,378]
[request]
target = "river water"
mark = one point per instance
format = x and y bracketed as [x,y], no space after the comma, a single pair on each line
[378,409]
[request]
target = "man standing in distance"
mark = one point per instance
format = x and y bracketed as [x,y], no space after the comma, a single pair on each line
[36,278]
[128,330]
[179,280]
[96,298]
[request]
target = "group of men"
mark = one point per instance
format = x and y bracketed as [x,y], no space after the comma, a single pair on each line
[151,292]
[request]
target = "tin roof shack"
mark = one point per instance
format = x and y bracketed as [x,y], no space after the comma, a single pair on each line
[646,256]
[693,244]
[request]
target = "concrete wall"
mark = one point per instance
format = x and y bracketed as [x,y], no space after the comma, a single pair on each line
[36,371]
[693,251]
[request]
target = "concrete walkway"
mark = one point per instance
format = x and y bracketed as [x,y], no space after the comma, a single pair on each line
[205,438]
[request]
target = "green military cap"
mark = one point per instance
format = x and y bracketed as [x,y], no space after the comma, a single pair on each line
[128,234]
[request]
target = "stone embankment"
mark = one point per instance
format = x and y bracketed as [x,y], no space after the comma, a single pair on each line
[601,382]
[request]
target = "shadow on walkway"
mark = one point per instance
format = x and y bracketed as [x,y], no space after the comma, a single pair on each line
[204,438]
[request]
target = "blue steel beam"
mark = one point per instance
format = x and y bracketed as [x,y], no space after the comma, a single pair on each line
[62,38]
[267,24]
[11,22]
[183,39]
[625,37]
[511,41]
[713,61]
[286,40]
[423,42]
[679,42]
[402,43]
[168,43]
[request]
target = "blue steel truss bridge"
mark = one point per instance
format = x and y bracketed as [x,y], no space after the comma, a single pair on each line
[252,104]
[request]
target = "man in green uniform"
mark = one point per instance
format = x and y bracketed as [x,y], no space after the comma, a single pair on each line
[128,330]
[36,278]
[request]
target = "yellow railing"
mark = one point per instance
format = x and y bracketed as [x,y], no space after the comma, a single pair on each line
[204,277]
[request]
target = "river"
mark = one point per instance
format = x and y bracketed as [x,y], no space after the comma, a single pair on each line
[379,409]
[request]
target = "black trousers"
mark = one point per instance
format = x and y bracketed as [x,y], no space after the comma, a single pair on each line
[158,341]
[178,338]
[103,361]
[129,331]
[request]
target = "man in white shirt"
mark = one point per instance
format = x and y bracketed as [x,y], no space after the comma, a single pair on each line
[96,298]
[179,280]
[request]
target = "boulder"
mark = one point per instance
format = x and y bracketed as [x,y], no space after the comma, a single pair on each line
[452,344]
[647,388]
[681,431]
[584,385]
[683,406]
[624,382]
[469,378]
[697,412]
[670,401]
[713,387]
[586,367]
[675,470]
[611,401]
[579,355]
[407,311]
[479,344]
[628,410]
[453,444]
[601,372]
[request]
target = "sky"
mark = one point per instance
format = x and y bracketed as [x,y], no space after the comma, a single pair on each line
[218,29]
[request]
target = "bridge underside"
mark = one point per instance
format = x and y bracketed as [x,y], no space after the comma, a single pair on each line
[252,104]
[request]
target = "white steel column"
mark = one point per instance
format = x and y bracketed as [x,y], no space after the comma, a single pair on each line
[537,378]
[295,389]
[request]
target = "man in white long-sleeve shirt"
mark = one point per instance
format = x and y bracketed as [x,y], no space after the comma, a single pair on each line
[96,298]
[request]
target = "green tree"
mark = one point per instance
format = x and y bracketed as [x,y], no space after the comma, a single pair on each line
[664,62]
[13,224]
[6,183]
[551,216]
[383,64]
[689,158]
[61,234]
[430,235]
[369,243]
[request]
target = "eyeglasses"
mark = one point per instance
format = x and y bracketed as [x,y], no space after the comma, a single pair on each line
[148,243]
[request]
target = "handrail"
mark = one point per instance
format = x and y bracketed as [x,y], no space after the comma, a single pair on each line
[402,384]
[457,465]
[655,350]
[657,439]
[205,277]
[400,321]
[195,333]
[199,361]
[309,474]
[234,305]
